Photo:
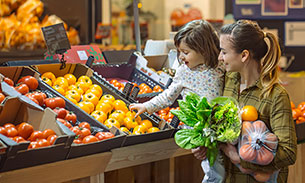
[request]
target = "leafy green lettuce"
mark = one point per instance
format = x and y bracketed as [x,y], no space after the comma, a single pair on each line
[211,122]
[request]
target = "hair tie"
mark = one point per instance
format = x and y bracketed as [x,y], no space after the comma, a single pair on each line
[265,34]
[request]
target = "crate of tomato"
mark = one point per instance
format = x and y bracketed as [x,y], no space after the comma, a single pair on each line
[119,75]
[74,116]
[32,135]
[102,102]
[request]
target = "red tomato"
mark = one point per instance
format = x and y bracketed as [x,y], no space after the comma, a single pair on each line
[33,145]
[2,97]
[42,143]
[19,139]
[84,125]
[30,81]
[71,117]
[85,132]
[104,135]
[78,141]
[67,124]
[34,100]
[76,130]
[36,135]
[3,131]
[55,102]
[8,81]
[39,96]
[52,139]
[7,125]
[25,130]
[61,112]
[22,88]
[48,132]
[90,139]
[11,132]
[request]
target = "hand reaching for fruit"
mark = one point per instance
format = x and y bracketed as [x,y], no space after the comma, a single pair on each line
[139,107]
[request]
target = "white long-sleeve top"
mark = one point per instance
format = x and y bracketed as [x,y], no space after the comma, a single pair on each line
[201,80]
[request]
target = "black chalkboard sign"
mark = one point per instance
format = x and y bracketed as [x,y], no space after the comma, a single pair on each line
[56,38]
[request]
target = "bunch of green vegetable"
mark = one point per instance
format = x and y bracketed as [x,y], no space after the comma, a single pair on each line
[211,122]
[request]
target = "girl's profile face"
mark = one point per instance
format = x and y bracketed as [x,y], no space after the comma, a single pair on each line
[190,57]
[230,58]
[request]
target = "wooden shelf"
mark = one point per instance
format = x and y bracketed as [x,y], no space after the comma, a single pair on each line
[95,164]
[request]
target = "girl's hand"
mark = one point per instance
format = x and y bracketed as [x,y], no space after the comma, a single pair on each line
[139,107]
[200,152]
[231,152]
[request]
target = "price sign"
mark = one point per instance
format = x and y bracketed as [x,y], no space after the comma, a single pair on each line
[56,38]
[102,31]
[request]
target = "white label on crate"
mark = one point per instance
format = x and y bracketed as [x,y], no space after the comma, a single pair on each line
[164,78]
[82,55]
[141,62]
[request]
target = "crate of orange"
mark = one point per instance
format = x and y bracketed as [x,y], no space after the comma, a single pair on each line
[32,135]
[74,115]
[119,75]
[298,114]
[106,103]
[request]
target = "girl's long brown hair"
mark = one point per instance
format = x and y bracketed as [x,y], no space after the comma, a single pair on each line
[200,36]
[247,35]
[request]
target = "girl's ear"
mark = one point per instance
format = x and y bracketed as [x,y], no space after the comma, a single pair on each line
[245,55]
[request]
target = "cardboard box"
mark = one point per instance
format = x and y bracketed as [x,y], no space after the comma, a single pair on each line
[15,110]
[157,62]
[295,87]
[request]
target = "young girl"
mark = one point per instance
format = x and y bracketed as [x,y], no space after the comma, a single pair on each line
[200,72]
[251,57]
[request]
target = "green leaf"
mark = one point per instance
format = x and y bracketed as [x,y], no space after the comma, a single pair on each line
[203,115]
[197,140]
[212,153]
[183,138]
[199,126]
[203,104]
[192,99]
[188,120]
[187,108]
[223,101]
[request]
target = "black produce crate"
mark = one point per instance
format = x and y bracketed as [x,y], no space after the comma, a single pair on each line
[300,132]
[128,71]
[78,70]
[77,150]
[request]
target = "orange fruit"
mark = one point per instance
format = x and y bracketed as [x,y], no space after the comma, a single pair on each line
[120,105]
[292,105]
[74,93]
[99,116]
[140,128]
[129,123]
[146,123]
[301,106]
[47,80]
[85,79]
[112,122]
[97,87]
[153,129]
[61,81]
[132,115]
[124,129]
[49,75]
[95,92]
[70,78]
[60,89]
[105,107]
[77,88]
[296,113]
[108,97]
[83,107]
[118,115]
[90,97]
[84,86]
[249,113]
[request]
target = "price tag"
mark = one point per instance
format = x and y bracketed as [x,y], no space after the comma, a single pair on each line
[103,31]
[82,55]
[56,38]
